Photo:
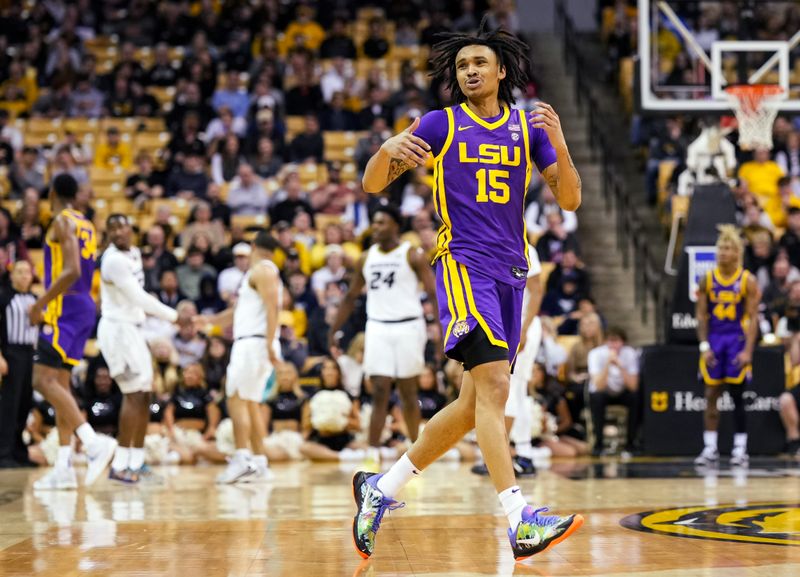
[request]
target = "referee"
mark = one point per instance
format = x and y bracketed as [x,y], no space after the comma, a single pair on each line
[17,338]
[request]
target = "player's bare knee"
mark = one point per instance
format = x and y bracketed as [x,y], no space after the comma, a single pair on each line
[493,391]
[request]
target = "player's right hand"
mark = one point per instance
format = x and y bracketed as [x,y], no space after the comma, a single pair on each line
[406,147]
[709,358]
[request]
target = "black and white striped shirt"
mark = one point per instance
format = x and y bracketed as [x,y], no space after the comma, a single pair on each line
[15,326]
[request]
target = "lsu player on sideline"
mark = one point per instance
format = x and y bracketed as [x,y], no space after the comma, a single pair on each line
[68,313]
[394,343]
[124,304]
[727,327]
[256,351]
[484,154]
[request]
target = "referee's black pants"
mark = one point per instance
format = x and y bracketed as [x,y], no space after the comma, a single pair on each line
[16,400]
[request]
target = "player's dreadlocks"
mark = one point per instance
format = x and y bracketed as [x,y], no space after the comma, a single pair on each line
[511,52]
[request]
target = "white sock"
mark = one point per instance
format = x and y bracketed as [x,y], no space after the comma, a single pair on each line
[121,459]
[137,458]
[524,449]
[513,503]
[242,454]
[740,443]
[64,457]
[710,440]
[87,436]
[397,477]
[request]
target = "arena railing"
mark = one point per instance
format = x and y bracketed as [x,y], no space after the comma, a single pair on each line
[651,292]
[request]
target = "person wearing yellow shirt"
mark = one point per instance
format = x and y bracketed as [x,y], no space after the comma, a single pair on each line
[113,152]
[761,175]
[312,33]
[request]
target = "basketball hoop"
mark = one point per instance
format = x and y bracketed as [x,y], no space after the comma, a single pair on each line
[755,112]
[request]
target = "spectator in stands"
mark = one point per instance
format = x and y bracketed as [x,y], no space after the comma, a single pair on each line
[537,211]
[377,106]
[782,278]
[570,267]
[788,198]
[102,398]
[303,30]
[790,241]
[157,241]
[120,102]
[614,379]
[200,223]
[789,159]
[264,162]
[308,145]
[761,175]
[85,100]
[10,133]
[438,24]
[28,171]
[29,220]
[338,78]
[331,197]
[790,417]
[113,152]
[144,183]
[376,45]
[668,144]
[225,162]
[336,117]
[333,272]
[190,180]
[209,301]
[556,240]
[64,162]
[247,195]
[337,43]
[185,142]
[224,125]
[189,100]
[162,73]
[305,97]
[231,96]
[192,271]
[406,34]
[356,211]
[169,292]
[563,438]
[220,211]
[19,89]
[590,330]
[230,279]
[759,256]
[292,200]
[191,346]
[293,349]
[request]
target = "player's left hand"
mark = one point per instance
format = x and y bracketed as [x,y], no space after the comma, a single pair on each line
[544,117]
[743,359]
[35,313]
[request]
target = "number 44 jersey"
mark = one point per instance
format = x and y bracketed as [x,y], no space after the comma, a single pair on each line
[392,286]
[482,170]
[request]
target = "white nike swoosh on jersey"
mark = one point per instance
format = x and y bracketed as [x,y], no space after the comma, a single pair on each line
[460,128]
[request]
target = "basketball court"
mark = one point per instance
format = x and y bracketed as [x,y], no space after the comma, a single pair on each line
[644,517]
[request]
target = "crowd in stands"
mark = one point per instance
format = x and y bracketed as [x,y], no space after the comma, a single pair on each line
[206,121]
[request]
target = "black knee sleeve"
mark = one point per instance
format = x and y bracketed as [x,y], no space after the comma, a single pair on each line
[739,415]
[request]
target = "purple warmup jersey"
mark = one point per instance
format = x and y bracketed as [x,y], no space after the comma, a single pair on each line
[482,170]
[70,317]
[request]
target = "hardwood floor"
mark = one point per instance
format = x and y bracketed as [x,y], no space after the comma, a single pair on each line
[299,524]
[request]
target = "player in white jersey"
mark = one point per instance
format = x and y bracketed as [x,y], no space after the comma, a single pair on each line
[394,344]
[255,352]
[518,419]
[124,304]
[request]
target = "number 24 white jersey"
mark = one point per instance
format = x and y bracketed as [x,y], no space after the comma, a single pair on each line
[392,285]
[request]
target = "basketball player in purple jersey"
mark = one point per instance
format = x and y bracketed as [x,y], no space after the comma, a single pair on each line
[484,153]
[727,309]
[68,314]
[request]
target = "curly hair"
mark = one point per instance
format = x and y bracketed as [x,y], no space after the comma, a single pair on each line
[511,53]
[729,233]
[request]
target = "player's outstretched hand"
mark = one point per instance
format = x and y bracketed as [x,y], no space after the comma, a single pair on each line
[543,116]
[406,147]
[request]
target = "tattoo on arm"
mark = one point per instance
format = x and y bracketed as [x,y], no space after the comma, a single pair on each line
[575,170]
[552,182]
[397,166]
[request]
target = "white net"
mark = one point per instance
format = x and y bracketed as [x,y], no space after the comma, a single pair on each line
[755,109]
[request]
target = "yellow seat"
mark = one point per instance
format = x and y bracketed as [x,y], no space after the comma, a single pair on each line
[42,138]
[152,143]
[547,269]
[151,124]
[81,127]
[124,125]
[680,206]
[178,207]
[246,221]
[100,175]
[294,126]
[340,146]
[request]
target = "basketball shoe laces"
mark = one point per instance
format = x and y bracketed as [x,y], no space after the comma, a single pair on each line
[377,505]
[541,521]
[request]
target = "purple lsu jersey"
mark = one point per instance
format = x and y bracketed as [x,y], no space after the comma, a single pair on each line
[70,317]
[482,169]
[726,326]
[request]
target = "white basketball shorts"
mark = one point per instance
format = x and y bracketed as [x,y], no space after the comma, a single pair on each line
[128,357]
[395,350]
[249,368]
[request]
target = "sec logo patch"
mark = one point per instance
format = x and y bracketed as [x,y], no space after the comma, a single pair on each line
[770,523]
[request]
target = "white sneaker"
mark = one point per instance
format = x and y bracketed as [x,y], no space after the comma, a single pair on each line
[57,480]
[708,458]
[236,470]
[100,459]
[261,472]
[352,455]
[740,459]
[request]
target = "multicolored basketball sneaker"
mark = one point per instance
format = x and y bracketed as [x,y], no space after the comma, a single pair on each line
[371,504]
[537,533]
